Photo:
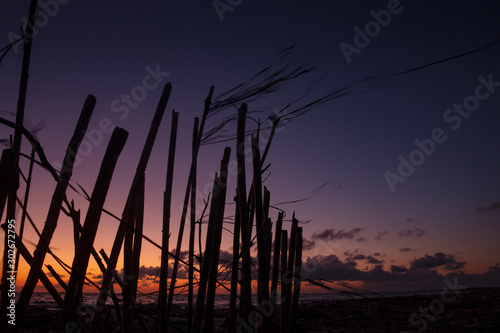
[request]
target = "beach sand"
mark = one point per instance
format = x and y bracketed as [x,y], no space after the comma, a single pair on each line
[472,310]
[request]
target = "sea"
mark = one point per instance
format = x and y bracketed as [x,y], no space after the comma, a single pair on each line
[43,299]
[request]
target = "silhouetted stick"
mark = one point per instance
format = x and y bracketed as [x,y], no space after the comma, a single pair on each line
[138,239]
[235,269]
[57,277]
[285,298]
[131,201]
[25,204]
[205,267]
[246,289]
[91,224]
[276,257]
[55,208]
[263,272]
[296,279]
[43,278]
[16,147]
[192,228]
[216,241]
[185,205]
[8,172]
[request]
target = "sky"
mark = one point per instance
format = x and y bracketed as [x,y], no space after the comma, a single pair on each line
[410,161]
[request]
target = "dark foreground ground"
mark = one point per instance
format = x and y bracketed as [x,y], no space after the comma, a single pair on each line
[472,310]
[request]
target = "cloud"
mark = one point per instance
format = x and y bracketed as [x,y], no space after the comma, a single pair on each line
[413,233]
[330,234]
[493,206]
[411,219]
[308,244]
[362,239]
[380,235]
[398,269]
[354,256]
[447,261]
[406,249]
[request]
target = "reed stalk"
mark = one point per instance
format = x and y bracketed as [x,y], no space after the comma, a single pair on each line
[131,201]
[182,223]
[167,198]
[55,208]
[91,224]
[192,229]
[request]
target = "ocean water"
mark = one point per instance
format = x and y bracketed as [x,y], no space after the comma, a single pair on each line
[221,301]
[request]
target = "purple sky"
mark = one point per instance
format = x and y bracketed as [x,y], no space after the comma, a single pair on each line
[443,220]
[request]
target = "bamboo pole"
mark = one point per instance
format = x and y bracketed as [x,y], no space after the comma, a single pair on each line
[284,282]
[131,201]
[16,147]
[182,223]
[91,224]
[167,198]
[136,255]
[235,269]
[296,279]
[43,277]
[7,173]
[112,291]
[192,229]
[55,208]
[57,277]
[205,268]
[132,262]
[216,241]
[7,188]
[263,271]
[276,258]
[25,204]
[246,287]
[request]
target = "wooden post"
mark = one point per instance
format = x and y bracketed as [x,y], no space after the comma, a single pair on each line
[246,280]
[209,249]
[55,208]
[192,229]
[208,101]
[43,278]
[131,202]
[263,272]
[167,198]
[276,258]
[57,277]
[85,245]
[214,260]
[235,269]
[284,282]
[296,279]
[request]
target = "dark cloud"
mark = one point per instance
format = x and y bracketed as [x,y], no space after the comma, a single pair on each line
[380,235]
[362,239]
[330,234]
[354,256]
[447,261]
[308,244]
[398,269]
[419,270]
[493,206]
[413,233]
[376,254]
[406,249]
[373,260]
[411,219]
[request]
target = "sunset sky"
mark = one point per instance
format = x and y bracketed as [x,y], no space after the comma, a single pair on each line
[380,223]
